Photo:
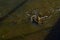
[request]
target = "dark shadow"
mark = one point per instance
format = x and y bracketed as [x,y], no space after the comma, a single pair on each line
[55,32]
[34,22]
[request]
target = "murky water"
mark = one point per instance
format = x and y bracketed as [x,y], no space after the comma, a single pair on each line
[55,32]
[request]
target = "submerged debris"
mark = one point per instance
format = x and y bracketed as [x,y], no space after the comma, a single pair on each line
[36,18]
[58,9]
